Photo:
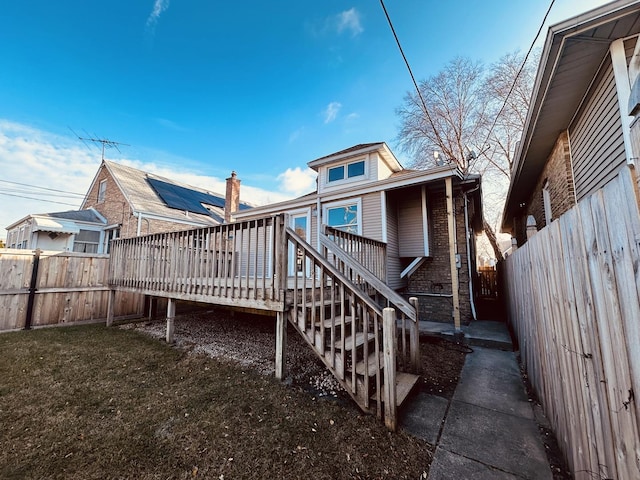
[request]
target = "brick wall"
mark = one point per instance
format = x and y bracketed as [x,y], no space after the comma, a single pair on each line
[434,275]
[558,172]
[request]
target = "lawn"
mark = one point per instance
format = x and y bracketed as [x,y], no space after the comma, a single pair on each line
[96,402]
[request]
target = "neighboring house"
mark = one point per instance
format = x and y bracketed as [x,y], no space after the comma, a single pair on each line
[579,130]
[135,202]
[72,231]
[572,288]
[365,190]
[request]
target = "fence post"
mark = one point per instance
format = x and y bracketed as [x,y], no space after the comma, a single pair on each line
[414,339]
[389,345]
[110,307]
[32,289]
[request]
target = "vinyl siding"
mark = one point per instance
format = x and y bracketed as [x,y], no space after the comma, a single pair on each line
[597,144]
[372,216]
[394,268]
[410,223]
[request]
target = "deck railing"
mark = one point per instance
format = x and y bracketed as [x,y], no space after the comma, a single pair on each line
[239,263]
[369,253]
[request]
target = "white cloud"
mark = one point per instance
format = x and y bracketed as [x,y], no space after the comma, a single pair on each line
[34,157]
[331,112]
[294,136]
[297,181]
[159,6]
[349,21]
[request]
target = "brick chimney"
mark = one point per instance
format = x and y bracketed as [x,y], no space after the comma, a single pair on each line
[232,197]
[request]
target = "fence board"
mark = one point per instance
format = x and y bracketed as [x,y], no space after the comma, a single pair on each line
[573,293]
[70,288]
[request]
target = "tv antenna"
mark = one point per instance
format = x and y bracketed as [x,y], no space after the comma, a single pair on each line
[106,143]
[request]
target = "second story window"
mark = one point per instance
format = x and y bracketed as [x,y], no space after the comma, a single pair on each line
[352,170]
[102,191]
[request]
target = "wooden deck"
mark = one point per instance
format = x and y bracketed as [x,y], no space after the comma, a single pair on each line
[334,304]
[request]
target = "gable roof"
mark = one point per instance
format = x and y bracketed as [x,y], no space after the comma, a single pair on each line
[572,54]
[153,194]
[89,216]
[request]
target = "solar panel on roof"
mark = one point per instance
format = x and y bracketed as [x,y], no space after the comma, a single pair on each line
[182,198]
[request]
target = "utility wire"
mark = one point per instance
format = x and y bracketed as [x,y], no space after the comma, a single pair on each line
[413,78]
[42,188]
[39,199]
[515,80]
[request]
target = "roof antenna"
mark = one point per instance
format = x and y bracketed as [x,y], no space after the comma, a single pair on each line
[106,143]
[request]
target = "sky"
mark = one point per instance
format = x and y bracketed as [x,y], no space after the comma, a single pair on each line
[193,89]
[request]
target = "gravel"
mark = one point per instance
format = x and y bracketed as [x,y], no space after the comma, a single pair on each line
[249,341]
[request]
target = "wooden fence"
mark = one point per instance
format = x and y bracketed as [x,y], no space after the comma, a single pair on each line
[574,301]
[68,287]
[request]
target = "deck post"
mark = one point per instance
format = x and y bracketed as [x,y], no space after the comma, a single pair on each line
[281,345]
[389,346]
[414,339]
[171,314]
[111,307]
[453,251]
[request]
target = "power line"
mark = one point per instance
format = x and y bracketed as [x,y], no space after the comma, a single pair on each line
[515,80]
[413,79]
[42,188]
[38,199]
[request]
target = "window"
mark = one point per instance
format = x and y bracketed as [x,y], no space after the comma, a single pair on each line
[355,169]
[344,217]
[336,173]
[102,190]
[86,241]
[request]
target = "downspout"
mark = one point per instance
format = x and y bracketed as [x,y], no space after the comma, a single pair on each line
[318,223]
[466,227]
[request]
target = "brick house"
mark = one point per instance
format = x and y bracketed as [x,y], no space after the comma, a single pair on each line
[580,129]
[135,202]
[365,190]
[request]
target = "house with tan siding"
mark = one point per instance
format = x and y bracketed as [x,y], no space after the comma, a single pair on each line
[365,190]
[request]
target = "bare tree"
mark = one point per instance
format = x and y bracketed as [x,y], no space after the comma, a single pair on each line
[472,116]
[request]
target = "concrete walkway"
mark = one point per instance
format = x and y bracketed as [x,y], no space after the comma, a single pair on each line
[487,431]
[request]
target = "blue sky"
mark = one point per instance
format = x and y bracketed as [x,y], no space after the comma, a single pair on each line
[198,88]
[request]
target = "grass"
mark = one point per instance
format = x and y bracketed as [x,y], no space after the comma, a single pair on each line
[94,402]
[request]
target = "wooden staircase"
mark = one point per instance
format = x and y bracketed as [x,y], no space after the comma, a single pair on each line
[350,332]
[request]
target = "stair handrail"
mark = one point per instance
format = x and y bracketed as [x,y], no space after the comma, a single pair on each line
[382,288]
[365,246]
[333,270]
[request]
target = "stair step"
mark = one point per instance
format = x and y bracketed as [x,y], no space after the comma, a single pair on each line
[371,362]
[404,384]
[338,321]
[349,343]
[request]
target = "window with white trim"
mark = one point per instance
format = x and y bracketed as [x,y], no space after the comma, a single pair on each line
[86,241]
[345,216]
[102,191]
[349,170]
